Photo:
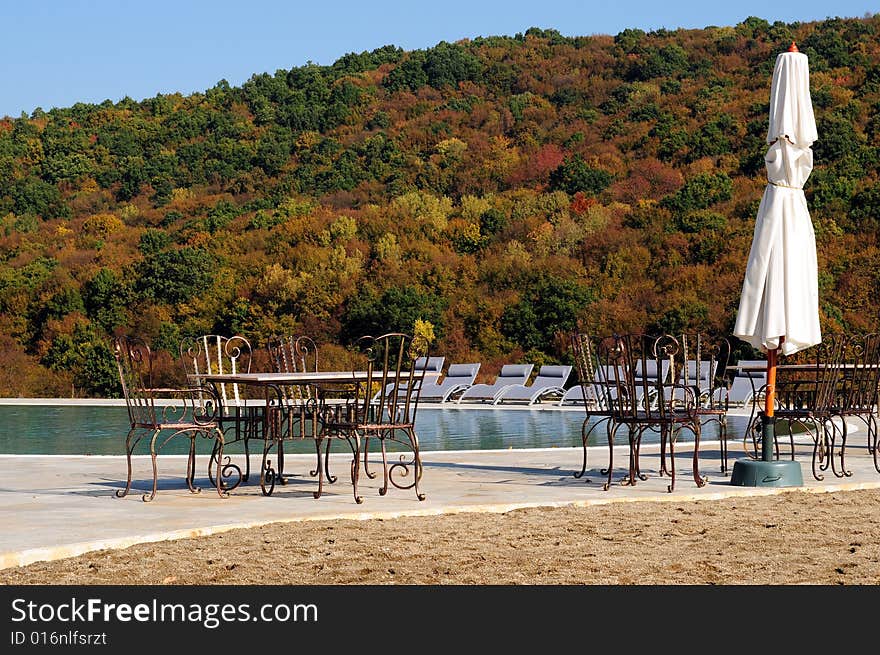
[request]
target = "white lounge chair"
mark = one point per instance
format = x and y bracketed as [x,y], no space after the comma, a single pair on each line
[747,386]
[458,378]
[511,374]
[599,391]
[431,367]
[548,384]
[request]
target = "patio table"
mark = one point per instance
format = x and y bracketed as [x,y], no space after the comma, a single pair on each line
[271,384]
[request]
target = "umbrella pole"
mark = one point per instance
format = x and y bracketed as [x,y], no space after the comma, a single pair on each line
[768,420]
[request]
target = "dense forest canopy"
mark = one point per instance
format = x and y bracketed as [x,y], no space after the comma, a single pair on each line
[500,189]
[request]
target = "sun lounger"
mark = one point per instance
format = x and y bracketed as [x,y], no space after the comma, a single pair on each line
[747,386]
[548,384]
[431,367]
[458,378]
[511,374]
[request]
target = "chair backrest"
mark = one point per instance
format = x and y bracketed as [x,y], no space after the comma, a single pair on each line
[213,354]
[644,391]
[596,374]
[430,364]
[552,374]
[390,394]
[859,388]
[134,362]
[514,373]
[703,366]
[462,372]
[817,387]
[290,354]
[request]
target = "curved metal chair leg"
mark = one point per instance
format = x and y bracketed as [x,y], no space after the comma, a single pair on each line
[663,470]
[876,446]
[843,473]
[418,465]
[584,436]
[722,436]
[817,456]
[700,480]
[221,489]
[248,435]
[369,473]
[330,478]
[318,469]
[148,497]
[384,488]
[612,430]
[355,469]
[267,473]
[671,487]
[191,466]
[129,448]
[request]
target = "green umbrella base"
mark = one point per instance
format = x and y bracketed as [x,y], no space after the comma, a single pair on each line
[758,473]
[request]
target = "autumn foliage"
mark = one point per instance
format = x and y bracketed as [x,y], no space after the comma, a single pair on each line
[502,190]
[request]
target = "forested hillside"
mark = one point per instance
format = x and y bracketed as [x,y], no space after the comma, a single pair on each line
[500,189]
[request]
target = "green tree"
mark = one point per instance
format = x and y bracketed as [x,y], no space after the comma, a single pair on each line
[106,297]
[574,175]
[548,305]
[175,276]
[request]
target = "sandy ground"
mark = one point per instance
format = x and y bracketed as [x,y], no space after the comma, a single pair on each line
[791,538]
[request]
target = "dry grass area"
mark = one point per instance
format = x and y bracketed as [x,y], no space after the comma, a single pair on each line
[790,538]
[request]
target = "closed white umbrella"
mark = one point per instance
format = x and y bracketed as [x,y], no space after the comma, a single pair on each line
[779,304]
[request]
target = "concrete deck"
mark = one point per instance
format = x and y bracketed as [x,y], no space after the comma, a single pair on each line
[53,507]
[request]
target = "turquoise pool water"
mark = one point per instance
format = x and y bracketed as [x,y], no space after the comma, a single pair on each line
[87,430]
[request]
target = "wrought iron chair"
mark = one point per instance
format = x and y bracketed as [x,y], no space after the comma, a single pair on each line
[191,412]
[703,364]
[644,401]
[239,421]
[809,398]
[857,394]
[598,385]
[390,358]
[290,354]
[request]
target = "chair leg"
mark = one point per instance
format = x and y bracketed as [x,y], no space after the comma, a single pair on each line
[129,447]
[699,479]
[384,488]
[818,447]
[417,462]
[318,469]
[248,435]
[221,490]
[330,478]
[584,435]
[355,468]
[671,486]
[663,452]
[638,455]
[148,497]
[843,434]
[876,448]
[267,473]
[722,436]
[366,461]
[191,465]
[612,430]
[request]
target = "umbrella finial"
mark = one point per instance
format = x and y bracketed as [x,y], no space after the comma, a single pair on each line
[793,47]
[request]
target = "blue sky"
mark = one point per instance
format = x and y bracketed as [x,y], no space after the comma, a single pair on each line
[58,52]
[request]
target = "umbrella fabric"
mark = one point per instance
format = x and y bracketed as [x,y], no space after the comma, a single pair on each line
[780,294]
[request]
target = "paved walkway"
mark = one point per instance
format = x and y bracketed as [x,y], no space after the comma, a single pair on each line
[60,506]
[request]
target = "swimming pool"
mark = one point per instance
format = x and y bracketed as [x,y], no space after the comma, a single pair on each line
[30,429]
